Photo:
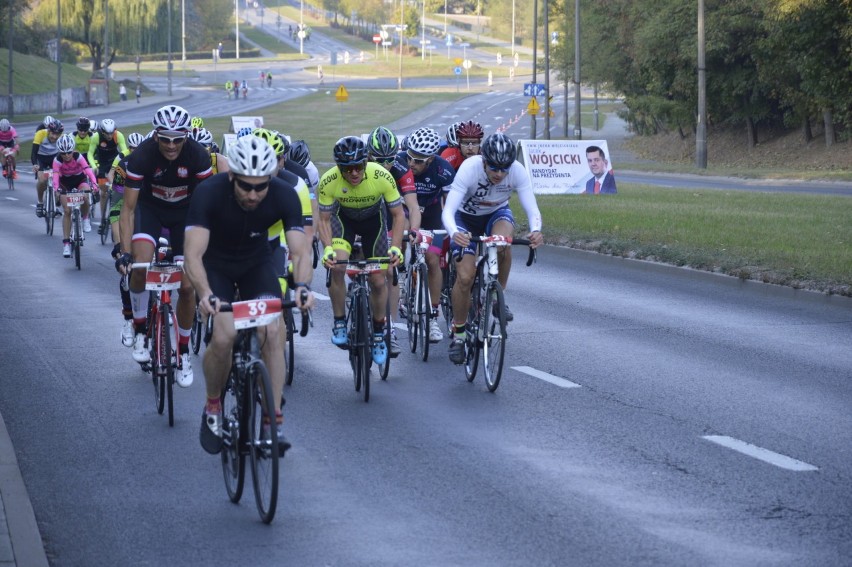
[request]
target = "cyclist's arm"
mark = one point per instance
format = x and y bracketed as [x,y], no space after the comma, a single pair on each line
[527,197]
[196,239]
[126,217]
[398,218]
[87,170]
[93,145]
[410,200]
[37,140]
[300,253]
[122,144]
[55,173]
[448,215]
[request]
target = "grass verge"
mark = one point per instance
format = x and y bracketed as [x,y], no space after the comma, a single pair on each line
[801,241]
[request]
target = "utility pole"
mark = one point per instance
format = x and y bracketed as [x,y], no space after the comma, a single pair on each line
[578,126]
[237,24]
[169,6]
[183,34]
[546,105]
[534,63]
[58,59]
[106,50]
[401,30]
[701,130]
[11,109]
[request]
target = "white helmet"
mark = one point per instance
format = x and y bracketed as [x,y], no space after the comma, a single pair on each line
[424,141]
[65,144]
[107,125]
[253,157]
[5,125]
[134,139]
[452,135]
[47,120]
[172,117]
[202,136]
[94,125]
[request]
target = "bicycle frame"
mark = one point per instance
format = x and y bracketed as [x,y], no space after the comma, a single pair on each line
[417,295]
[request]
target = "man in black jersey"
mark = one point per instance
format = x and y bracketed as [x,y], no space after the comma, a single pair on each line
[226,246]
[161,175]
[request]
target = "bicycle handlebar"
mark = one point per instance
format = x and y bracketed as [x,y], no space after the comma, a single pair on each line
[363,262]
[307,318]
[519,241]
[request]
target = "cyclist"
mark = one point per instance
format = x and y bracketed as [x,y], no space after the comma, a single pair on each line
[301,154]
[478,204]
[45,123]
[105,145]
[43,153]
[432,178]
[162,175]
[450,142]
[383,147]
[118,177]
[71,173]
[83,136]
[466,137]
[352,197]
[202,135]
[226,246]
[9,145]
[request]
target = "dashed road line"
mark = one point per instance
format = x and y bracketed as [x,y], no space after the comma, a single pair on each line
[760,453]
[555,380]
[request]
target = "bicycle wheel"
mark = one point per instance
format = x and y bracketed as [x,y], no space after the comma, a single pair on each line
[365,341]
[424,311]
[103,231]
[316,251]
[158,334]
[449,279]
[263,441]
[471,341]
[197,330]
[10,175]
[233,458]
[77,236]
[493,321]
[352,318]
[410,300]
[290,351]
[386,335]
[171,358]
[49,210]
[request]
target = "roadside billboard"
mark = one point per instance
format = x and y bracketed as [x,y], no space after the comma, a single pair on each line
[566,166]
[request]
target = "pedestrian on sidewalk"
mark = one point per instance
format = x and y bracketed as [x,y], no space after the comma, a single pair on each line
[138,93]
[122,92]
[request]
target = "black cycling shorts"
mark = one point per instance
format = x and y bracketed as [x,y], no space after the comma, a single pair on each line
[254,280]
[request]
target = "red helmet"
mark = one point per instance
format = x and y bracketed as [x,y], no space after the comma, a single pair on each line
[469,129]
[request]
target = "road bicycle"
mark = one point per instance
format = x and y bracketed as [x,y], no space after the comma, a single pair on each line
[248,407]
[418,302]
[197,332]
[162,276]
[359,319]
[75,201]
[486,319]
[448,280]
[50,209]
[290,329]
[9,167]
[105,230]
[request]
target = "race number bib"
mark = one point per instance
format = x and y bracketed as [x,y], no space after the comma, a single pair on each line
[255,312]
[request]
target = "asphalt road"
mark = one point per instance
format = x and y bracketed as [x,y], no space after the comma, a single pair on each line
[601,446]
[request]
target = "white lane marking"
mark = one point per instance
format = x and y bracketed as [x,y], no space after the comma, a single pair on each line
[11,199]
[561,382]
[760,453]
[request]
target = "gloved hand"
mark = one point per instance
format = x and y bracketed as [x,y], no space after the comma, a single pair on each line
[393,251]
[328,254]
[122,262]
[116,251]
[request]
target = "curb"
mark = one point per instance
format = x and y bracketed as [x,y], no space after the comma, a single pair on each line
[27,545]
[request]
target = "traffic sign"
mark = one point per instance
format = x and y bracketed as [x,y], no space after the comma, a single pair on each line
[377,38]
[341,95]
[499,58]
[467,64]
[534,89]
[532,107]
[457,70]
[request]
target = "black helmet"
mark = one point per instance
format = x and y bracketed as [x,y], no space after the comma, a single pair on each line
[350,150]
[300,153]
[498,150]
[382,144]
[83,124]
[56,127]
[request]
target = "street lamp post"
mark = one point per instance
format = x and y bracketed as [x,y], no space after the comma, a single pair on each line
[423,34]
[106,50]
[58,60]
[169,64]
[11,109]
[237,24]
[401,30]
[578,127]
[513,28]
[302,26]
[701,130]
[546,105]
[183,34]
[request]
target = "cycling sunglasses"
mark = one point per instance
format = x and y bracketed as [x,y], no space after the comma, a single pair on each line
[417,160]
[347,169]
[247,187]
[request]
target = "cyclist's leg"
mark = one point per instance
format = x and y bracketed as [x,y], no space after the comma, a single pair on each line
[66,216]
[502,223]
[114,213]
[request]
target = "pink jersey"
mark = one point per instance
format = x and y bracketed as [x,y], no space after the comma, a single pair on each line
[76,166]
[8,138]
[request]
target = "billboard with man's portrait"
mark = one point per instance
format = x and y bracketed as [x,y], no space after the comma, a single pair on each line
[568,166]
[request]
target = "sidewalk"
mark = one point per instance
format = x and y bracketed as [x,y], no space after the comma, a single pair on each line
[20,539]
